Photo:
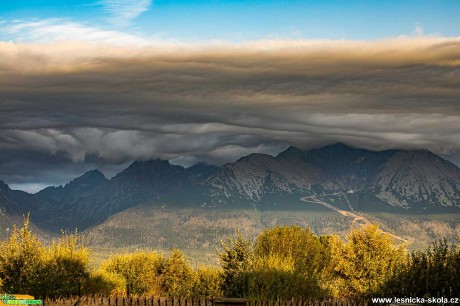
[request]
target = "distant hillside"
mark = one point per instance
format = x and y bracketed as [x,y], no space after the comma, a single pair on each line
[351,179]
[199,230]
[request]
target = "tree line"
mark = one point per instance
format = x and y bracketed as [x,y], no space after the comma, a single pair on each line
[280,264]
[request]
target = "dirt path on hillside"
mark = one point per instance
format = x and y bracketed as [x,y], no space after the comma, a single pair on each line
[356,218]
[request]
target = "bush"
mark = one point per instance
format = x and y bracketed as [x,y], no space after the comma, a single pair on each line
[139,270]
[104,283]
[153,274]
[65,264]
[55,270]
[206,282]
[22,261]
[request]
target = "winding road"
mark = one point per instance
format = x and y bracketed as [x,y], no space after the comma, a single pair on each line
[356,218]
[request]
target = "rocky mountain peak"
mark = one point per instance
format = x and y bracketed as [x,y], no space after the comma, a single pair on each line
[91,177]
[148,167]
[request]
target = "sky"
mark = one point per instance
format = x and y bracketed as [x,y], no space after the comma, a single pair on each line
[98,84]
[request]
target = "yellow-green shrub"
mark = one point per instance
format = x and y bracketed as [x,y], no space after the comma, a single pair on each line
[176,275]
[140,271]
[104,283]
[21,261]
[30,267]
[66,265]
[365,262]
[206,282]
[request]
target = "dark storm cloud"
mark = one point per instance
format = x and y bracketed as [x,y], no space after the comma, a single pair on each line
[217,102]
[33,171]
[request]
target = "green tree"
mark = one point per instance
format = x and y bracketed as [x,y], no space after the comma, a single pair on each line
[66,265]
[428,273]
[236,259]
[365,263]
[30,267]
[21,261]
[176,275]
[290,261]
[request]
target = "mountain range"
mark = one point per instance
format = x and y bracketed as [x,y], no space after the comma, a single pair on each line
[350,179]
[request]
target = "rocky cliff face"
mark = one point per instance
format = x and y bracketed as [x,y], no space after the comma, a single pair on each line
[404,179]
[417,179]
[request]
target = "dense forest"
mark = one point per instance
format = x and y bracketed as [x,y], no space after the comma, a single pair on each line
[281,263]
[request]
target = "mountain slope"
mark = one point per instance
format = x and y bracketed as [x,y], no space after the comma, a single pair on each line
[417,180]
[91,198]
[10,211]
[256,175]
[344,177]
[7,203]
[341,164]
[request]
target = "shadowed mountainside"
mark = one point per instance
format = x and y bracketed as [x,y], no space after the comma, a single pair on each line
[395,181]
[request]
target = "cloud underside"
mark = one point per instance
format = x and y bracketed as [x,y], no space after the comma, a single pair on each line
[216,102]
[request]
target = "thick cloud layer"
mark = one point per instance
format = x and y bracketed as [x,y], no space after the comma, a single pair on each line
[215,102]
